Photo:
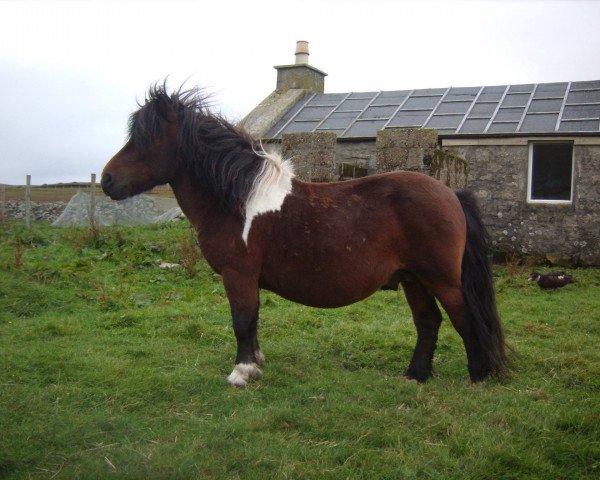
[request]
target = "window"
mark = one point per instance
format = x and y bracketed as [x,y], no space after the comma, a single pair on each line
[550,172]
[352,170]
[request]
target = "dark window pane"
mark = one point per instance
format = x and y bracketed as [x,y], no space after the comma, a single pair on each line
[490,97]
[462,93]
[327,99]
[503,127]
[550,90]
[589,84]
[545,105]
[453,107]
[509,114]
[474,126]
[430,91]
[495,89]
[353,104]
[409,119]
[379,112]
[515,100]
[421,102]
[551,170]
[363,95]
[313,113]
[339,120]
[444,121]
[391,98]
[483,109]
[521,88]
[365,128]
[590,96]
[581,111]
[539,123]
[580,126]
[298,127]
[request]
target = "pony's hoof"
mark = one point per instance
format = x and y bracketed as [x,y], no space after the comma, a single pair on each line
[243,373]
[420,376]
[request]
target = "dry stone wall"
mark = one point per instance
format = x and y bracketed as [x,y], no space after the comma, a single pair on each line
[312,155]
[405,149]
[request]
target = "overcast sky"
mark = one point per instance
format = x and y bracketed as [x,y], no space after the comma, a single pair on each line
[72,71]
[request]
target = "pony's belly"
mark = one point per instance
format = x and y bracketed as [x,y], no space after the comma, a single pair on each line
[326,291]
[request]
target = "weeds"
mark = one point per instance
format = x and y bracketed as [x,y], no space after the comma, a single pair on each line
[190,254]
[19,252]
[517,265]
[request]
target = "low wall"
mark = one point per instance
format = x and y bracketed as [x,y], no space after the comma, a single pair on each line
[40,211]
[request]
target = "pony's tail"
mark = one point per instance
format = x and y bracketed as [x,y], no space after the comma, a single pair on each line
[481,313]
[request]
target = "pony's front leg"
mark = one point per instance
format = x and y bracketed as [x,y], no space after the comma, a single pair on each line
[243,299]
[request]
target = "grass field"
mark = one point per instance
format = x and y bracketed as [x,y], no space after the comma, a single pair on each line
[111,367]
[64,194]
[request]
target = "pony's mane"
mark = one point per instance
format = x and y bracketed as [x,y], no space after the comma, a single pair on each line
[224,158]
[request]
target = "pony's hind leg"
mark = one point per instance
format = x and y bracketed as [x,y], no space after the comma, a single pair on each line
[451,298]
[243,299]
[427,319]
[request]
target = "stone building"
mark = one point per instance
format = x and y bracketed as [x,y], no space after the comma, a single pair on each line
[531,153]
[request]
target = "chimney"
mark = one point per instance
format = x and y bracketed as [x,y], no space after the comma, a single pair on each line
[302,52]
[300,75]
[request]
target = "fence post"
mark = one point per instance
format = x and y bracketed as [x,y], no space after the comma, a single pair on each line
[27,201]
[93,200]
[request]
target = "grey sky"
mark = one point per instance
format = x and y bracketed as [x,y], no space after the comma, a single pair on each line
[70,72]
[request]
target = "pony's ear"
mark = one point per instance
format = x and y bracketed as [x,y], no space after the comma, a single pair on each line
[166,109]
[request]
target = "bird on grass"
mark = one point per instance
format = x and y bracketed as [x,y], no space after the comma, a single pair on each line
[551,280]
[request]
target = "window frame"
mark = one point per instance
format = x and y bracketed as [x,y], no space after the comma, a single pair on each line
[532,143]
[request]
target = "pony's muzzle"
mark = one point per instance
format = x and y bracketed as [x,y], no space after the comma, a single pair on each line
[106,182]
[111,188]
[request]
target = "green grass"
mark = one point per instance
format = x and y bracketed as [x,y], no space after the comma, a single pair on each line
[113,368]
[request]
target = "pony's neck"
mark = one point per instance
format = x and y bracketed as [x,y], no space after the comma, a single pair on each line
[201,208]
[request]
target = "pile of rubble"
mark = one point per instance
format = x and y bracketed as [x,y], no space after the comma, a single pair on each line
[138,210]
[40,211]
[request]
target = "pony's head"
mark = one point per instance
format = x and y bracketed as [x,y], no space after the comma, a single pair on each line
[151,155]
[176,134]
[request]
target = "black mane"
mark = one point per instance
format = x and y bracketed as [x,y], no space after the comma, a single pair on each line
[221,155]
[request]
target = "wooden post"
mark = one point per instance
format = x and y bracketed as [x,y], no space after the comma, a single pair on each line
[28,201]
[93,200]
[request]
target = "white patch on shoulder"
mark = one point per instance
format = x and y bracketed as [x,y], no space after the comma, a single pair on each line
[243,373]
[272,184]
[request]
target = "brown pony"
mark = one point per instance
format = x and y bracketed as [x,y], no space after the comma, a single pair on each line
[320,244]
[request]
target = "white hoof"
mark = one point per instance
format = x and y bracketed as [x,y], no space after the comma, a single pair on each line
[243,373]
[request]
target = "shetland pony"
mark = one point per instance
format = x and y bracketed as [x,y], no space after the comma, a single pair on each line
[320,244]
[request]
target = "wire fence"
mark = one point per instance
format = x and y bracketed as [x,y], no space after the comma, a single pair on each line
[30,203]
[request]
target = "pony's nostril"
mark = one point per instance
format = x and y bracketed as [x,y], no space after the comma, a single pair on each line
[106,179]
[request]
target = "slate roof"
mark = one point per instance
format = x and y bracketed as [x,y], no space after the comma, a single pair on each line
[542,108]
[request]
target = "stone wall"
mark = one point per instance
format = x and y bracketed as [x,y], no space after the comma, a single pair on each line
[405,149]
[40,211]
[313,155]
[562,233]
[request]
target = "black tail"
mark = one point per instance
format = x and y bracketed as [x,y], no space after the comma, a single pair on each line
[479,297]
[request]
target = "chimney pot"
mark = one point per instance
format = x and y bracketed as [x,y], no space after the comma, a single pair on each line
[302,52]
